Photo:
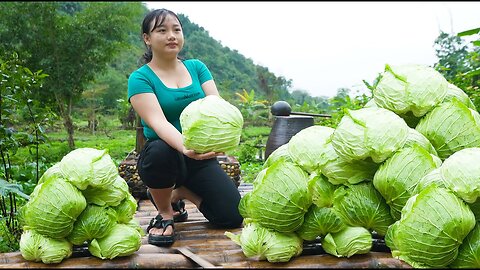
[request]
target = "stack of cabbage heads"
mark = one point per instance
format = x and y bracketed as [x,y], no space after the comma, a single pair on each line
[430,183]
[80,200]
[211,124]
[404,167]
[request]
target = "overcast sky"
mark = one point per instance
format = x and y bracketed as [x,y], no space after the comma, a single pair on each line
[324,46]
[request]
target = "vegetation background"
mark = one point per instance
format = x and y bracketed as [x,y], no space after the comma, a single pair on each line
[63,83]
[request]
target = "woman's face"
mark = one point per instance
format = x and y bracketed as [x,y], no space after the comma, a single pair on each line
[167,38]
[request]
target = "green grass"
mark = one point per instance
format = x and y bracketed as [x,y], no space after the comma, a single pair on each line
[254,131]
[118,143]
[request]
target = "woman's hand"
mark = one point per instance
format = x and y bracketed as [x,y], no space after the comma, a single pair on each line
[192,154]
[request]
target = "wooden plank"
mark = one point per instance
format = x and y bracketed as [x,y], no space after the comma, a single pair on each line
[136,260]
[369,260]
[194,257]
[204,242]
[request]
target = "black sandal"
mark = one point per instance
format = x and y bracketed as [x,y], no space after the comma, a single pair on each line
[180,207]
[161,240]
[177,207]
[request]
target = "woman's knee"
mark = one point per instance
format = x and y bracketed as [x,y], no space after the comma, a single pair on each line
[221,215]
[159,165]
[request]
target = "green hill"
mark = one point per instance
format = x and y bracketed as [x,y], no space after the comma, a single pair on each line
[232,71]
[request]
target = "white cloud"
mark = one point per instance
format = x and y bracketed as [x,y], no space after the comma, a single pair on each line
[323,46]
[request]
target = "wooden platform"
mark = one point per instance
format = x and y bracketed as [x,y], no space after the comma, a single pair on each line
[198,245]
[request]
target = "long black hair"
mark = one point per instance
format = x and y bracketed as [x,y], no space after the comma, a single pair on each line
[158,17]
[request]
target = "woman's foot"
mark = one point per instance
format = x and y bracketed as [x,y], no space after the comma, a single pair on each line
[161,231]
[180,213]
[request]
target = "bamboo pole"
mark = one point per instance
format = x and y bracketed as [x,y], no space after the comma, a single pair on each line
[144,261]
[369,260]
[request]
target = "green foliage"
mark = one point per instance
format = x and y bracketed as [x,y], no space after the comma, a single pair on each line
[72,43]
[249,152]
[22,121]
[338,105]
[469,33]
[254,112]
[459,64]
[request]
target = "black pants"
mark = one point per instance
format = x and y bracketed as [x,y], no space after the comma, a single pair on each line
[161,166]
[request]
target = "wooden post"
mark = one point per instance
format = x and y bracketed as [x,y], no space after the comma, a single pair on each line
[140,138]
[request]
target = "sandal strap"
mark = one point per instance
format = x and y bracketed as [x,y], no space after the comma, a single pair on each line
[155,222]
[167,222]
[160,223]
[179,206]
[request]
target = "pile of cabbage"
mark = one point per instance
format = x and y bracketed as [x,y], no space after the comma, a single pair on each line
[81,200]
[211,124]
[406,167]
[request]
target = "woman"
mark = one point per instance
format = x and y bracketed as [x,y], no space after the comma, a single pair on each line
[159,91]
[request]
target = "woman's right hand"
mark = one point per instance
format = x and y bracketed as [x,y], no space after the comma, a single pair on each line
[194,155]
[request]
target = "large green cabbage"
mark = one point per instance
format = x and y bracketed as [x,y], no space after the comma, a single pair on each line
[398,176]
[263,243]
[53,208]
[461,173]
[281,198]
[211,124]
[321,190]
[348,242]
[451,127]
[432,226]
[341,171]
[94,222]
[308,148]
[280,153]
[374,133]
[454,91]
[111,195]
[410,88]
[433,177]
[52,172]
[122,240]
[415,137]
[361,205]
[37,247]
[126,209]
[86,167]
[469,251]
[319,221]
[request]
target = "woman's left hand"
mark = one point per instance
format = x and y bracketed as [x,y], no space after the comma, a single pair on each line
[192,154]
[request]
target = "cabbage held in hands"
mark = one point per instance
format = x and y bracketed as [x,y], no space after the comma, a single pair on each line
[211,124]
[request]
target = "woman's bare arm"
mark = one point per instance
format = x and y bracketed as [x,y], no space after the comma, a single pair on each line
[149,110]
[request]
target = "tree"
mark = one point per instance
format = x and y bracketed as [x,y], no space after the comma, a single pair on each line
[456,61]
[71,42]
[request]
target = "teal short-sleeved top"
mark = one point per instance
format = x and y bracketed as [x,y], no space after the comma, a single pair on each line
[172,100]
